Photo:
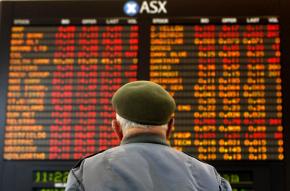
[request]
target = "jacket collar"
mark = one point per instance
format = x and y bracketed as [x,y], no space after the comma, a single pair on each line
[145,138]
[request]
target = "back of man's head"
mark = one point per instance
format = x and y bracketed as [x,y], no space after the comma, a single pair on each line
[144,102]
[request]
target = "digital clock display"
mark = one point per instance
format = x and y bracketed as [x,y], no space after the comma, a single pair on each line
[55,180]
[48,189]
[50,177]
[238,177]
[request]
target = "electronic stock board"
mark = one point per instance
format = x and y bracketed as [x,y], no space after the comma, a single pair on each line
[62,61]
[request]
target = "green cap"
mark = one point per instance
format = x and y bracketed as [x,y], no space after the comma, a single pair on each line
[144,102]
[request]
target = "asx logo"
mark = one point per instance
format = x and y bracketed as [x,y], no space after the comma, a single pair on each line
[132,8]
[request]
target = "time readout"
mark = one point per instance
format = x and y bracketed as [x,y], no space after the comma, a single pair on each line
[46,177]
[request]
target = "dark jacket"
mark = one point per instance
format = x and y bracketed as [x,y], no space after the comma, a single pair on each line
[144,163]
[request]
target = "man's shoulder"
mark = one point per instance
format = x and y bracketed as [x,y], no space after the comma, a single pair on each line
[106,157]
[101,157]
[197,164]
[124,149]
[188,157]
[80,162]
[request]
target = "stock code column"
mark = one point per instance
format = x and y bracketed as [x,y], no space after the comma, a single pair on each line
[225,76]
[61,80]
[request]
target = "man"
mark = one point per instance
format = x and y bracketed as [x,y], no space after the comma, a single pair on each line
[144,161]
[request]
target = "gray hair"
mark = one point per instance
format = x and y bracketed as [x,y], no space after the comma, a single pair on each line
[127,124]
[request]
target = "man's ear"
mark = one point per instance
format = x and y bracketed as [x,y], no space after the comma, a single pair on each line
[117,129]
[169,127]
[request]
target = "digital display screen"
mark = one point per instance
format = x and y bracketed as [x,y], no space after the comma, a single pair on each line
[44,180]
[225,77]
[61,80]
[56,179]
[240,181]
[224,74]
[45,177]
[58,189]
